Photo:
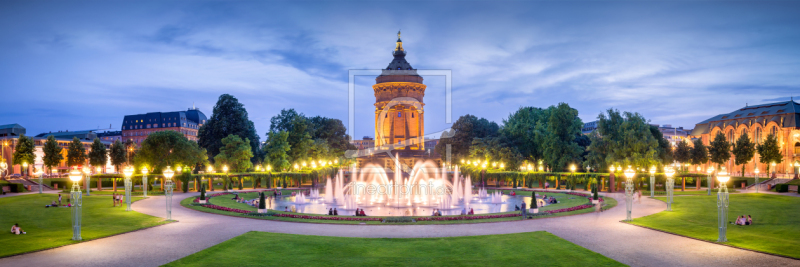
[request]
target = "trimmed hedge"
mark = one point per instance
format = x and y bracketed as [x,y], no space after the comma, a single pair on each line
[781,188]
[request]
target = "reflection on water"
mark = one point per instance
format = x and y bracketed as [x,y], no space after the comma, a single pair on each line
[317,206]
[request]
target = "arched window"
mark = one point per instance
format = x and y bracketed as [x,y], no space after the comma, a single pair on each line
[773,130]
[730,136]
[797,148]
[758,136]
[399,114]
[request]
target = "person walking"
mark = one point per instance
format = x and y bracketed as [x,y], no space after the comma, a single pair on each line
[59,199]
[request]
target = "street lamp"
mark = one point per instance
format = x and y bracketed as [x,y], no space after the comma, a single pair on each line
[77,202]
[629,173]
[168,190]
[670,186]
[39,173]
[3,167]
[710,170]
[269,168]
[773,168]
[128,172]
[722,205]
[571,180]
[225,170]
[210,169]
[756,171]
[144,180]
[652,181]
[25,167]
[796,164]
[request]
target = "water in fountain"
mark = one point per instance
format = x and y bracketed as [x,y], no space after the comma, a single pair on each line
[300,198]
[445,203]
[457,189]
[467,190]
[313,193]
[482,193]
[329,191]
[497,197]
[350,202]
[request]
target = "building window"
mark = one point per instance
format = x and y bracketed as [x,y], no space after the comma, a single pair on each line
[399,114]
[758,135]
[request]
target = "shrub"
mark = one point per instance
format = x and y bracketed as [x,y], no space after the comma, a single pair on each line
[203,192]
[534,205]
[595,192]
[781,188]
[262,201]
[398,220]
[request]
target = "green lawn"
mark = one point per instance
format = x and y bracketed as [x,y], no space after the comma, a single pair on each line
[227,202]
[52,227]
[260,248]
[678,192]
[775,230]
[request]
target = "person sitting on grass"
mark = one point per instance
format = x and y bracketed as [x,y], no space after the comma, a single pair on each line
[516,208]
[330,211]
[749,220]
[738,220]
[16,230]
[362,213]
[464,211]
[335,212]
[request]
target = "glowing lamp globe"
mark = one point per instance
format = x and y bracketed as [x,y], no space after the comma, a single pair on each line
[99,169]
[258,168]
[494,164]
[710,170]
[25,164]
[773,164]
[652,169]
[572,168]
[669,172]
[128,172]
[145,170]
[210,169]
[168,173]
[225,168]
[269,167]
[502,165]
[699,169]
[723,176]
[75,175]
[3,165]
[756,171]
[541,168]
[462,161]
[611,168]
[38,172]
[629,173]
[87,170]
[180,169]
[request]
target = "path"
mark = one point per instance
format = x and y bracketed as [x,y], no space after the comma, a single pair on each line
[195,231]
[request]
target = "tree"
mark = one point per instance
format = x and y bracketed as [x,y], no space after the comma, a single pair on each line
[719,150]
[24,151]
[98,156]
[276,150]
[333,133]
[118,155]
[169,148]
[520,130]
[52,153]
[623,137]
[235,153]
[299,130]
[770,151]
[76,154]
[464,130]
[699,153]
[683,153]
[229,117]
[664,154]
[559,148]
[743,150]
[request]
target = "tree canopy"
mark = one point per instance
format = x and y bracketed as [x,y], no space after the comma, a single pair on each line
[699,153]
[299,130]
[118,155]
[276,150]
[769,151]
[624,137]
[743,150]
[52,153]
[683,152]
[465,130]
[98,157]
[229,117]
[719,149]
[76,153]
[559,148]
[235,153]
[24,151]
[169,148]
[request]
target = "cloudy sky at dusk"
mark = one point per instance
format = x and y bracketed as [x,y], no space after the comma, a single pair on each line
[83,65]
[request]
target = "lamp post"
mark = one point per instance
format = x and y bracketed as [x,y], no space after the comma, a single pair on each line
[669,172]
[39,173]
[3,167]
[144,181]
[710,170]
[773,169]
[88,172]
[168,190]
[210,170]
[722,205]
[652,181]
[629,173]
[225,170]
[77,202]
[796,164]
[572,178]
[25,167]
[756,171]
[128,172]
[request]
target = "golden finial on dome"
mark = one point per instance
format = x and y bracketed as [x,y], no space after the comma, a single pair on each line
[399,46]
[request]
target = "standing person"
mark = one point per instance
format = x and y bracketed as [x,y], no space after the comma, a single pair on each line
[59,199]
[114,199]
[524,210]
[639,196]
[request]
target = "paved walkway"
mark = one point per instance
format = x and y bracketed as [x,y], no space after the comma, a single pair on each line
[195,231]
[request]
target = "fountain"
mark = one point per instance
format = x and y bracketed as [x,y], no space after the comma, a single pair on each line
[313,193]
[482,193]
[468,190]
[300,199]
[497,197]
[329,191]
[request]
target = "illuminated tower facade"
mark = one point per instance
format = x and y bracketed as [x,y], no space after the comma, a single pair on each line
[399,114]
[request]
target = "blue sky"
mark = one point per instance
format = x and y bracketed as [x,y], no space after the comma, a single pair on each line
[83,65]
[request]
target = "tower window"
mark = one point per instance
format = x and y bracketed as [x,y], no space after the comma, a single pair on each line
[399,114]
[412,115]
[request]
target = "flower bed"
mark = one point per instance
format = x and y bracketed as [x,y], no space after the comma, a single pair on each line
[475,217]
[585,206]
[310,217]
